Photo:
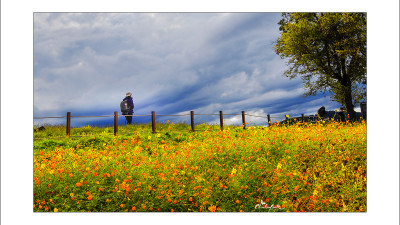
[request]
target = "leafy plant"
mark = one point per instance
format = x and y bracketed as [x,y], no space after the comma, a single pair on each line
[299,167]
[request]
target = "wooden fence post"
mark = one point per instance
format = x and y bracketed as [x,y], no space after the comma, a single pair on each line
[302,117]
[269,120]
[221,120]
[192,119]
[243,120]
[69,124]
[115,123]
[153,121]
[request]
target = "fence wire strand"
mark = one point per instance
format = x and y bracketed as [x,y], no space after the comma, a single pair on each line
[133,115]
[94,116]
[49,117]
[257,116]
[174,115]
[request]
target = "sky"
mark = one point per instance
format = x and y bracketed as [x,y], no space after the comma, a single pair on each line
[173,63]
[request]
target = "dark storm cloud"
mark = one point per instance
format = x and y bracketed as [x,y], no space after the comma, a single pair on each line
[172,62]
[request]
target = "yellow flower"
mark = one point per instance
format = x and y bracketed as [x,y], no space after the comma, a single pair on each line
[233,171]
[55,210]
[279,166]
[149,137]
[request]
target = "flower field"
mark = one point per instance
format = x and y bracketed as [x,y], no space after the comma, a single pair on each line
[303,167]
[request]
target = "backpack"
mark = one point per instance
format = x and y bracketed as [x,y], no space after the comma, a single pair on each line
[124,107]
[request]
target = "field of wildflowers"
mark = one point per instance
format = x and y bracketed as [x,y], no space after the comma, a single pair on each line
[304,167]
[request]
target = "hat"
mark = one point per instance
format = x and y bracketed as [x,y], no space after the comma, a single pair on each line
[128,94]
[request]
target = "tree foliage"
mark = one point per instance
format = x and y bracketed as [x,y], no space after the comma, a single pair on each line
[328,51]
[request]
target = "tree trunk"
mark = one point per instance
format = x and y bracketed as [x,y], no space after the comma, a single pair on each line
[349,104]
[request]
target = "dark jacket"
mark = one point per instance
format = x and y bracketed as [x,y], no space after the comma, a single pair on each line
[130,104]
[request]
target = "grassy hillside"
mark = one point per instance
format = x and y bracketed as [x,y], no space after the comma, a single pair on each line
[316,167]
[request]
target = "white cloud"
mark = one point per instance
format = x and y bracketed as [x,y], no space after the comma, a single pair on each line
[172,62]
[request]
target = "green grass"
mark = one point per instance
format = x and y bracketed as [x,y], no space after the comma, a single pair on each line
[314,167]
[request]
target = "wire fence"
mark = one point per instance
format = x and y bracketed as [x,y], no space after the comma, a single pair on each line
[191,114]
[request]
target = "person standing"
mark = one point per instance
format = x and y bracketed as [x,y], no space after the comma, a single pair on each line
[322,112]
[128,99]
[341,115]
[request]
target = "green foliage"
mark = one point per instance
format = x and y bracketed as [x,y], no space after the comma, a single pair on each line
[328,52]
[313,167]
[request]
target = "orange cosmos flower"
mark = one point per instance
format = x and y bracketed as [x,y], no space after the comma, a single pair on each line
[237,201]
[70,175]
[90,197]
[79,184]
[180,192]
[212,208]
[133,208]
[190,199]
[95,174]
[175,201]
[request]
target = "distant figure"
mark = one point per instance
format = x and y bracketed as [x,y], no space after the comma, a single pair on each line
[363,106]
[341,115]
[127,107]
[322,112]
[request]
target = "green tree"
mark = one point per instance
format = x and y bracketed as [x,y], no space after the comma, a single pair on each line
[329,52]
